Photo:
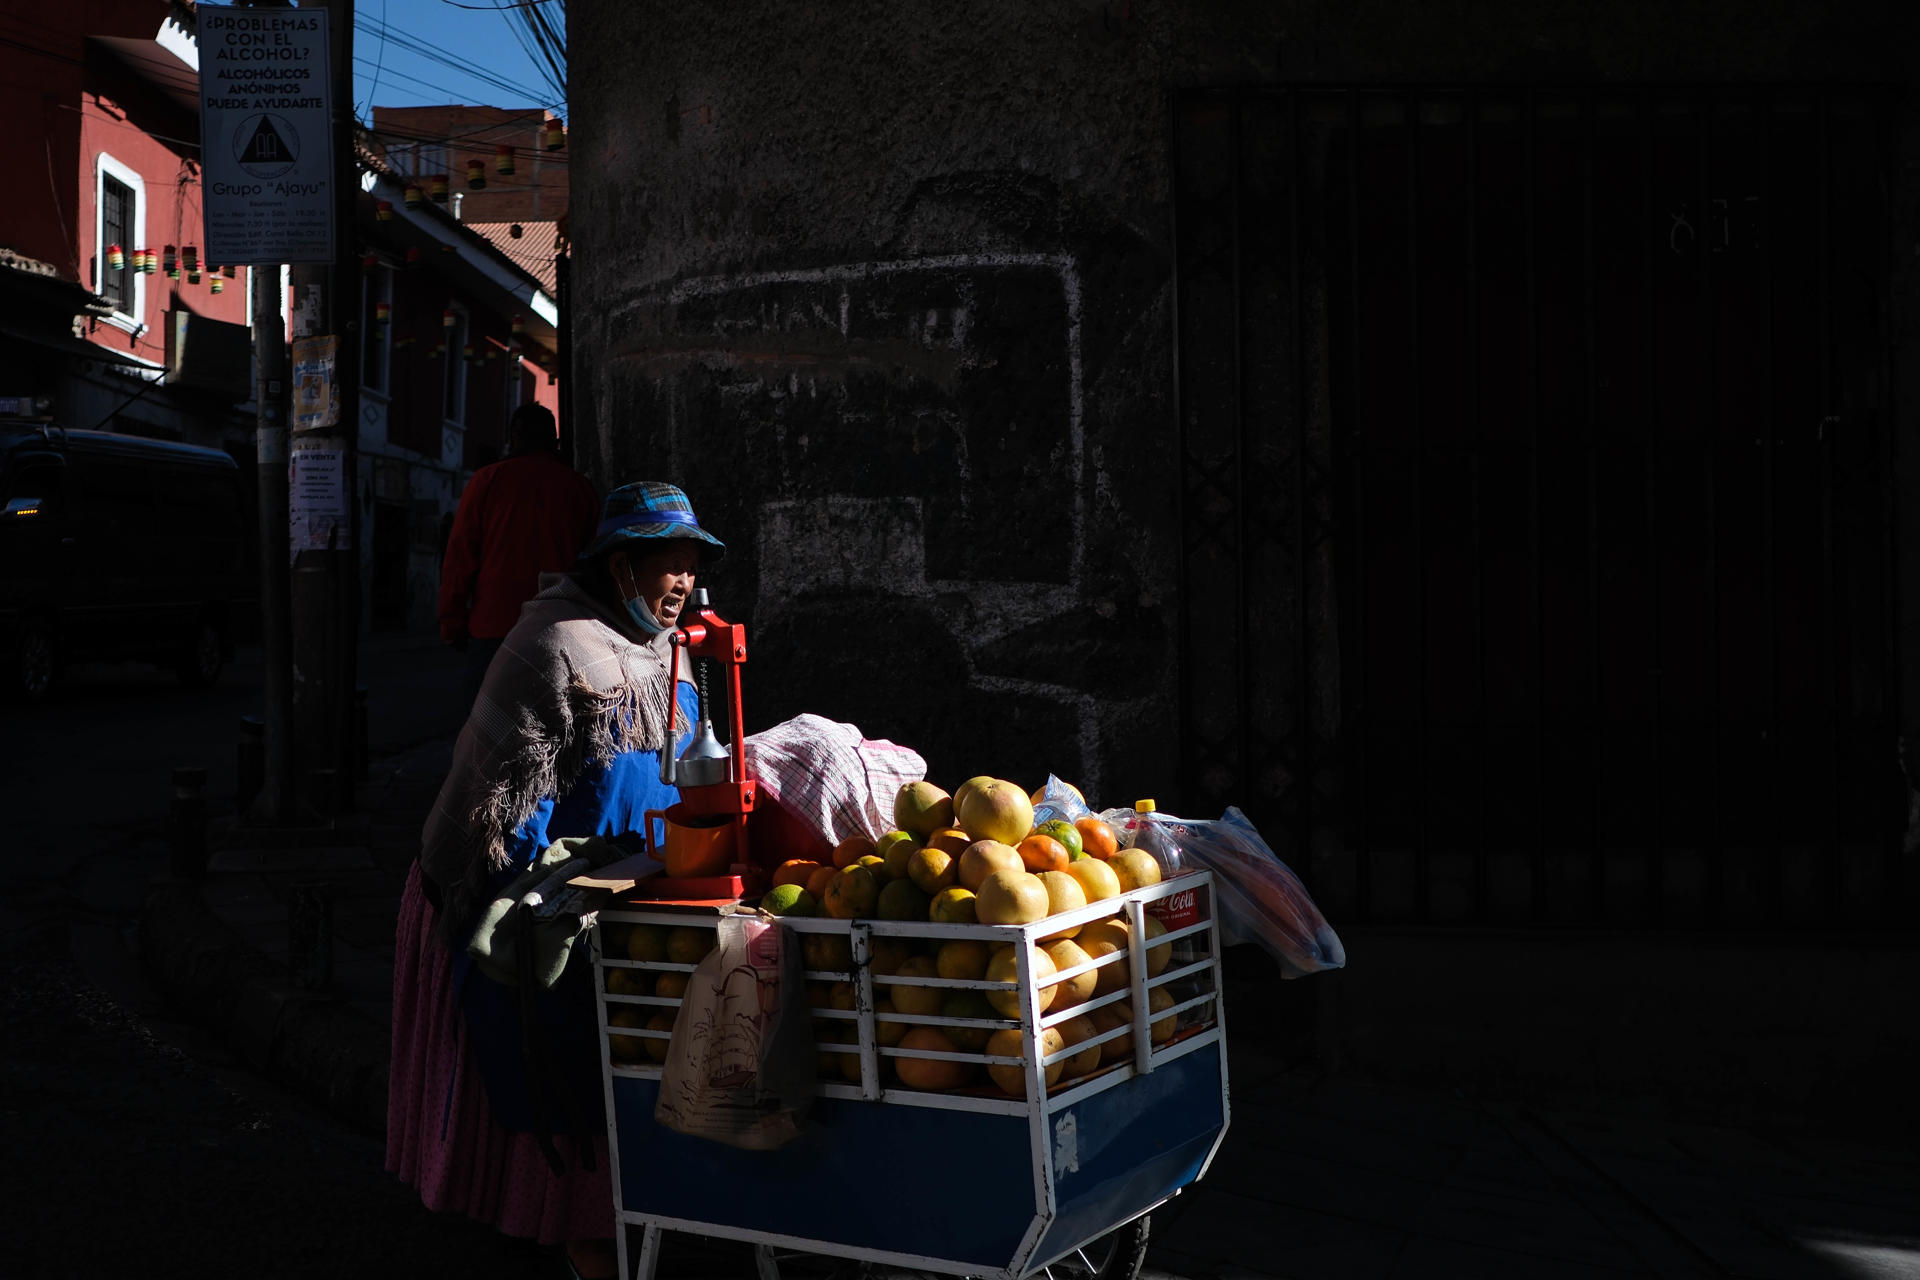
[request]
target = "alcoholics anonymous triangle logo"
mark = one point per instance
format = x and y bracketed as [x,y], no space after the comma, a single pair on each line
[266,145]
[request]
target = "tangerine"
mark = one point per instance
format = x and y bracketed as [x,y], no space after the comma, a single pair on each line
[1043,853]
[794,871]
[851,850]
[930,1073]
[1097,838]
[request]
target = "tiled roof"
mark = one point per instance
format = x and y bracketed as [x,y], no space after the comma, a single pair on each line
[532,251]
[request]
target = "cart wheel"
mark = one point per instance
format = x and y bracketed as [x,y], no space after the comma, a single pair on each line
[1118,1255]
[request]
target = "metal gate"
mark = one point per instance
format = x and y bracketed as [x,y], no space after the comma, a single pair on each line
[1537,506]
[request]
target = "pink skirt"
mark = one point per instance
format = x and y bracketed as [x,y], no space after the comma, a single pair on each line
[441,1134]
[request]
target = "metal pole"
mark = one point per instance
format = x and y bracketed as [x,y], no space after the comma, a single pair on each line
[275,801]
[325,581]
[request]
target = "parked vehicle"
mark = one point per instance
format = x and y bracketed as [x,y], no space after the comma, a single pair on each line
[114,547]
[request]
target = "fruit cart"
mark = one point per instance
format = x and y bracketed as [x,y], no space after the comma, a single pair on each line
[915,1158]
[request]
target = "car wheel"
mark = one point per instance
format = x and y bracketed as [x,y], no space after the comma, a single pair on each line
[203,659]
[34,665]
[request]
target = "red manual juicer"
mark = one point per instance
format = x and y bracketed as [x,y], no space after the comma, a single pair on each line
[706,854]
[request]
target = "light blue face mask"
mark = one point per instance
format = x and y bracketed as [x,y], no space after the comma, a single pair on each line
[643,616]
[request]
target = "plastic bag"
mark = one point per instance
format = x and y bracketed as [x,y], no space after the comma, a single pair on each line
[1260,899]
[1057,800]
[740,1065]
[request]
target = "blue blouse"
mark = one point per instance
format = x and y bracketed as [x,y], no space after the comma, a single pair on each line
[610,798]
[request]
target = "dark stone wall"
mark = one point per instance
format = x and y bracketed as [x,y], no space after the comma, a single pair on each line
[886,287]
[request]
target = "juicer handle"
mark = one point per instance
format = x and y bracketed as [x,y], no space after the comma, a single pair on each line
[667,777]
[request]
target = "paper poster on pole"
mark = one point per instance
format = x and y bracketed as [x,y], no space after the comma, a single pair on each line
[316,391]
[266,135]
[317,501]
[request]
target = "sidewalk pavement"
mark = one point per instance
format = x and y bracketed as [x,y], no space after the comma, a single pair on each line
[1320,1175]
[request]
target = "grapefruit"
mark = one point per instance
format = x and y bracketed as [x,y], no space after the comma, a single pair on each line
[902,900]
[647,942]
[876,864]
[795,871]
[1102,938]
[1106,1018]
[953,905]
[950,840]
[996,810]
[1157,957]
[851,850]
[832,952]
[897,855]
[1097,879]
[930,1073]
[851,893]
[922,808]
[633,982]
[963,959]
[932,869]
[1043,853]
[913,998]
[1013,1079]
[888,839]
[626,1048]
[1063,894]
[1004,967]
[1135,867]
[983,857]
[968,787]
[1161,1029]
[1073,1031]
[1097,838]
[686,944]
[887,1033]
[656,1047]
[1011,897]
[967,1004]
[888,954]
[1066,954]
[670,986]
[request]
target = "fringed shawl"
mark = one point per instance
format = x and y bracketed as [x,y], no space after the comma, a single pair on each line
[568,686]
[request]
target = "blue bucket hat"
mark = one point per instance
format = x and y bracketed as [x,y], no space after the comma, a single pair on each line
[647,510]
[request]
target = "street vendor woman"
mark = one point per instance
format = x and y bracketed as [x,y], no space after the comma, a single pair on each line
[563,740]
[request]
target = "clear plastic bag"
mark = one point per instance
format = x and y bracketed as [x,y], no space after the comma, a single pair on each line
[1260,899]
[1058,800]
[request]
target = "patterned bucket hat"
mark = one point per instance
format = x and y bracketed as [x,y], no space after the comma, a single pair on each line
[648,509]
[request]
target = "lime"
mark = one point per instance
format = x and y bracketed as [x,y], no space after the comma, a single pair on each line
[789,900]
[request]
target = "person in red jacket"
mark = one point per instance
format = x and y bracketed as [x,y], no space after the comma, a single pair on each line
[521,517]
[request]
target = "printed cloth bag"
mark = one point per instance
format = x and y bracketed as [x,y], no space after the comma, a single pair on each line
[830,779]
[740,1064]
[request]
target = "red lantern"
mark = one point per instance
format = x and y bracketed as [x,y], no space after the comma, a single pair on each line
[369,260]
[439,349]
[476,175]
[190,257]
[383,313]
[170,259]
[503,160]
[413,197]
[449,318]
[193,276]
[466,351]
[217,284]
[554,135]
[413,255]
[438,188]
[116,257]
[143,261]
[383,210]
[519,324]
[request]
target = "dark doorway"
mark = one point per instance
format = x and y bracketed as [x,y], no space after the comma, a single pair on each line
[1536,446]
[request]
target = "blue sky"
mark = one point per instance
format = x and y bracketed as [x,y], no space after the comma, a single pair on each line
[389,74]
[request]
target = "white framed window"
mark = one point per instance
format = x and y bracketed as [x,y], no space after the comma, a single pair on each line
[119,217]
[453,401]
[376,347]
